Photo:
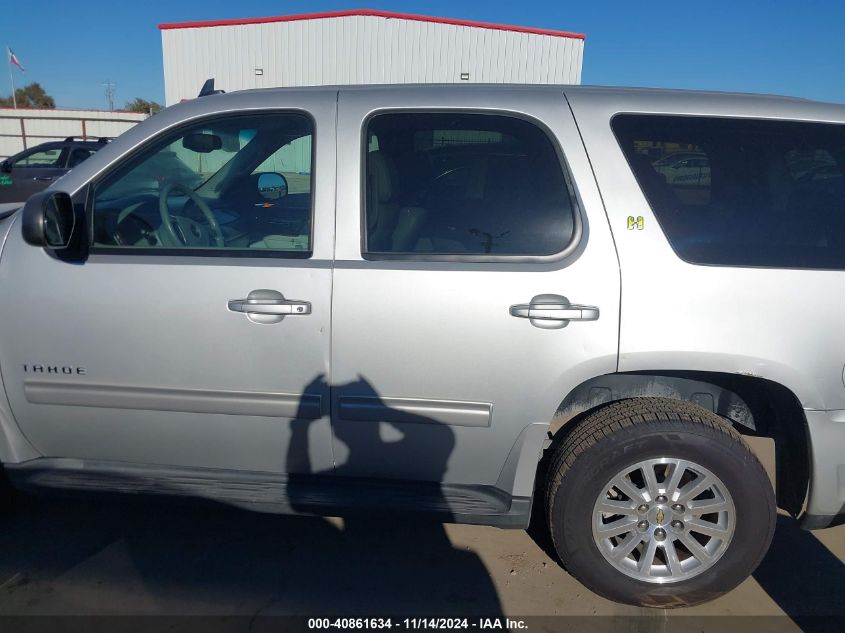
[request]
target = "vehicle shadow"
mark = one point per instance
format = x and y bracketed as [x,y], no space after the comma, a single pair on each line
[804,578]
[139,555]
[153,557]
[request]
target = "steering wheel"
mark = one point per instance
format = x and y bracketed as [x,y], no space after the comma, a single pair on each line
[146,230]
[185,231]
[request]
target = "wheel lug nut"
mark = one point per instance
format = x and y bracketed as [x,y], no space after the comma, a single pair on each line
[642,526]
[677,507]
[661,499]
[660,534]
[677,525]
[643,508]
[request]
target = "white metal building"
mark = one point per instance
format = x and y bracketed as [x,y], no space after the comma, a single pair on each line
[361,47]
[22,128]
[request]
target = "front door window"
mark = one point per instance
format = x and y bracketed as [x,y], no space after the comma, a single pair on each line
[240,183]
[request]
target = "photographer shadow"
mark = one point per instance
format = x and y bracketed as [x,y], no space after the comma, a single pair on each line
[145,556]
[402,556]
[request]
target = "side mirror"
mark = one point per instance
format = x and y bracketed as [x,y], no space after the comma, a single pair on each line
[272,186]
[6,167]
[48,220]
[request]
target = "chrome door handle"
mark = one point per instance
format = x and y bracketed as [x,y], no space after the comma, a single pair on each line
[268,306]
[556,313]
[43,178]
[553,311]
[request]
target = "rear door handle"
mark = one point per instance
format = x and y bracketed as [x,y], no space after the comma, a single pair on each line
[553,311]
[43,178]
[556,313]
[268,306]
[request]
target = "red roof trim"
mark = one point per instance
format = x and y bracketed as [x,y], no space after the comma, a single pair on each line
[371,12]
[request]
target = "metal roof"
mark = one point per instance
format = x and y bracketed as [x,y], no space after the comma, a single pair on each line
[619,92]
[372,13]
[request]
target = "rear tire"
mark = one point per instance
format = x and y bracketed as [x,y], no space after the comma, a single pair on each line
[658,503]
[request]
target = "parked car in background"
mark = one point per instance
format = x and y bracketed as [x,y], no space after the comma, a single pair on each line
[36,168]
[684,168]
[460,300]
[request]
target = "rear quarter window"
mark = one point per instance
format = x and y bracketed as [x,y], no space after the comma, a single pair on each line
[742,192]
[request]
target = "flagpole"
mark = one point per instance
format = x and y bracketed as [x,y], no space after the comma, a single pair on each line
[11,77]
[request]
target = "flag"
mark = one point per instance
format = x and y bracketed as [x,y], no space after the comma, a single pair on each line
[14,59]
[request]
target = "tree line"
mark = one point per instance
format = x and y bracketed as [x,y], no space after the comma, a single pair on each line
[34,96]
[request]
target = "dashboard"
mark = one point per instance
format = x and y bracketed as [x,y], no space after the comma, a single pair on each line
[135,221]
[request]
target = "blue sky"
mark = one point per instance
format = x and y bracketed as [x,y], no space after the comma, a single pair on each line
[786,47]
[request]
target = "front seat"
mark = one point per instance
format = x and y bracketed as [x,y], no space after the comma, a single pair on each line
[382,212]
[391,227]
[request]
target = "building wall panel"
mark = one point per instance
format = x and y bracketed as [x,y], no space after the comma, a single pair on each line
[360,49]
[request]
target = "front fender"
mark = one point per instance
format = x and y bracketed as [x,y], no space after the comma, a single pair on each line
[14,447]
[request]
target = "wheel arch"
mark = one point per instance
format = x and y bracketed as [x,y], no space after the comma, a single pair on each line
[754,406]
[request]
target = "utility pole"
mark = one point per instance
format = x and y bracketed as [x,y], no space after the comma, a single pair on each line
[110,86]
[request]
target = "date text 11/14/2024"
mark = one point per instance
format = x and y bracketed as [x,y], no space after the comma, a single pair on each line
[417,623]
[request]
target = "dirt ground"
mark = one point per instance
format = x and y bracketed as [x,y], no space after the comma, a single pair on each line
[78,557]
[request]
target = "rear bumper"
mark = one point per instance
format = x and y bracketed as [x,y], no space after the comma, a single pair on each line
[826,500]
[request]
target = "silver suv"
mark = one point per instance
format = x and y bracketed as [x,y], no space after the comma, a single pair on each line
[458,300]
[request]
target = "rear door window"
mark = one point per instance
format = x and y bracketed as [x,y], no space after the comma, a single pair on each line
[742,192]
[463,184]
[78,155]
